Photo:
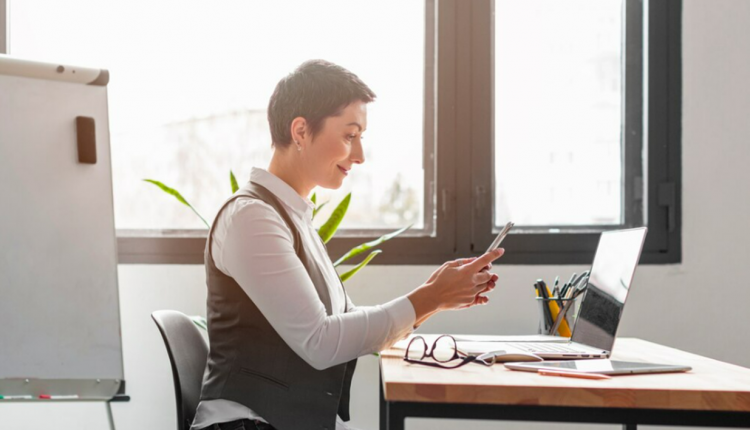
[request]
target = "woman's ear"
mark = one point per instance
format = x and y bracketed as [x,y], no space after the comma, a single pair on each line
[299,132]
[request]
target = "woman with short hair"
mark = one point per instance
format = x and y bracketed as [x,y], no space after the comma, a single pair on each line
[284,336]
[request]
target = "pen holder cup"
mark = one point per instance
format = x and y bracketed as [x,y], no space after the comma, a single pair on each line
[555,319]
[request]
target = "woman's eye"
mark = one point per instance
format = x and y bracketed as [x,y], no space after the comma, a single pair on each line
[351,136]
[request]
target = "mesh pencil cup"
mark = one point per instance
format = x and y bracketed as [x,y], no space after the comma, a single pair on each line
[555,319]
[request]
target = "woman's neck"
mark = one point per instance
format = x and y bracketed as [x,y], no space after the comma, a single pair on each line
[285,167]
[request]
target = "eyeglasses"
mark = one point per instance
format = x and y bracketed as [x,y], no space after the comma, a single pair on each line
[443,350]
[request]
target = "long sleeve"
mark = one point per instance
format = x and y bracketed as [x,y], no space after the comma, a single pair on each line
[258,252]
[405,318]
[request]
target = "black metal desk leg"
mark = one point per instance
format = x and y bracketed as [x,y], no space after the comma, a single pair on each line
[396,416]
[630,427]
[391,417]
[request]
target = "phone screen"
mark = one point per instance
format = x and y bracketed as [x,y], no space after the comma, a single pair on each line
[500,236]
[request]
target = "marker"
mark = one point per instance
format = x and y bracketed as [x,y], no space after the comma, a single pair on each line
[58,397]
[16,397]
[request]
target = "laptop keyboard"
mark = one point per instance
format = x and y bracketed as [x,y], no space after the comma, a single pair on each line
[546,347]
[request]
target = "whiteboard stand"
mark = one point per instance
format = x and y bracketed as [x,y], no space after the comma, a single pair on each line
[60,309]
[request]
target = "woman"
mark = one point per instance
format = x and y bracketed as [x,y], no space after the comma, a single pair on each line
[284,335]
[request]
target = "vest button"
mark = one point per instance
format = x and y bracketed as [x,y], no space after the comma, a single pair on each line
[329,393]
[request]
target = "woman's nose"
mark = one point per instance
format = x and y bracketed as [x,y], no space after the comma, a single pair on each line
[358,154]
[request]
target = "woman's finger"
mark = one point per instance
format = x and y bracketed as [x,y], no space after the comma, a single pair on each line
[485,288]
[465,261]
[486,259]
[488,287]
[478,300]
[481,277]
[481,288]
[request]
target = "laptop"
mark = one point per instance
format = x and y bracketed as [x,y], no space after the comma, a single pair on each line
[601,308]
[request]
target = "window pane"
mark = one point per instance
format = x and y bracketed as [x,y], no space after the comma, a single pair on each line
[558,112]
[190,82]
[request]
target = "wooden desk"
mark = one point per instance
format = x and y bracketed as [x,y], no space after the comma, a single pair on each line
[713,394]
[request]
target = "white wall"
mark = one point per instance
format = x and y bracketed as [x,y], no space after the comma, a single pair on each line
[699,305]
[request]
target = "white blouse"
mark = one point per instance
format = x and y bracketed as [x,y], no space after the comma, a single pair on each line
[253,245]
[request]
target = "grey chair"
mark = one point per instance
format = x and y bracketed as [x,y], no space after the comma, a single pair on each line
[188,353]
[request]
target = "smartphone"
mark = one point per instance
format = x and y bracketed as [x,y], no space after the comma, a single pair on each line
[500,236]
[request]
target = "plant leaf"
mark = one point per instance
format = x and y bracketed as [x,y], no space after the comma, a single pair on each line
[328,229]
[364,262]
[317,209]
[314,199]
[233,180]
[176,194]
[368,245]
[199,321]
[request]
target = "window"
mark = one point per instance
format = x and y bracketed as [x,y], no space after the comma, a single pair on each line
[562,115]
[557,113]
[574,124]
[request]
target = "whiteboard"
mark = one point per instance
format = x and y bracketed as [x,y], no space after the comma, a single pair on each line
[59,302]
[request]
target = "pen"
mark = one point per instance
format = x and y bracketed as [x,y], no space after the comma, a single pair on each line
[565,331]
[16,397]
[570,282]
[570,374]
[571,293]
[555,307]
[578,279]
[564,290]
[555,291]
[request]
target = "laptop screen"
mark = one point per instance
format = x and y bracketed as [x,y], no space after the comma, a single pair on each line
[611,274]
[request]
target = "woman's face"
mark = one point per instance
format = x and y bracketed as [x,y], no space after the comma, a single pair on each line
[338,146]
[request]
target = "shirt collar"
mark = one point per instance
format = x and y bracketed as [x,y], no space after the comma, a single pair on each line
[300,205]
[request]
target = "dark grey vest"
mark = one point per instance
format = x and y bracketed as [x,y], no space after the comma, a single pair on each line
[250,364]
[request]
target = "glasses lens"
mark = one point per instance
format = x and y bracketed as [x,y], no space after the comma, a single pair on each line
[416,349]
[444,349]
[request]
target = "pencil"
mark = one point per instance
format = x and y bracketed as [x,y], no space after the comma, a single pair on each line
[554,309]
[571,374]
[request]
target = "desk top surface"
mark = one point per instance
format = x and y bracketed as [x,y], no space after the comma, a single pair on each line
[711,385]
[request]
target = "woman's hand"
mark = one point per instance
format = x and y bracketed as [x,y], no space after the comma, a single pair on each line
[456,284]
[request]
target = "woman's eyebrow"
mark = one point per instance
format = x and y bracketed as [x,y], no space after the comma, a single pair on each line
[355,123]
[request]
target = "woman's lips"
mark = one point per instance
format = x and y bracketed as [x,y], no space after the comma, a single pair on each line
[342,170]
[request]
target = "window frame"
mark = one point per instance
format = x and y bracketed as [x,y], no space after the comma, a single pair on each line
[458,55]
[577,244]
[435,243]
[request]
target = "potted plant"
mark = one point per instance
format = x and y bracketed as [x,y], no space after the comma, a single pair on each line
[326,231]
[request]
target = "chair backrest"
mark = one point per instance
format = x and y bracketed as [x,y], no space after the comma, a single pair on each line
[188,353]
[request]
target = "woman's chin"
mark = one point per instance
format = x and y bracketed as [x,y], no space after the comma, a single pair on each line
[333,184]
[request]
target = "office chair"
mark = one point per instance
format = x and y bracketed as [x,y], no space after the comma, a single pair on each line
[188,353]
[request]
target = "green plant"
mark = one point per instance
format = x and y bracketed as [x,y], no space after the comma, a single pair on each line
[326,231]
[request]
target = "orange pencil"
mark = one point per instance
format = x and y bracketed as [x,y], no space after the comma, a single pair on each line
[570,374]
